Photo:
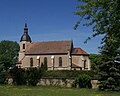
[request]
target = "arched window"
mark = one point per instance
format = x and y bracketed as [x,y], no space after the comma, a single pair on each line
[84,64]
[45,60]
[31,62]
[60,61]
[45,63]
[23,46]
[38,60]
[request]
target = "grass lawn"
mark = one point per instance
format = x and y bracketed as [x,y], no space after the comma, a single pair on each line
[50,91]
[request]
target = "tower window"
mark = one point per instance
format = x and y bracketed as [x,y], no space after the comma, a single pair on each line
[31,62]
[60,61]
[23,46]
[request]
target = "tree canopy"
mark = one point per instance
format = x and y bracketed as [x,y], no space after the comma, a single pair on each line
[95,61]
[8,53]
[104,16]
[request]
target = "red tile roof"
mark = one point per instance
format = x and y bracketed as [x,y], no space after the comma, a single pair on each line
[75,66]
[50,47]
[78,51]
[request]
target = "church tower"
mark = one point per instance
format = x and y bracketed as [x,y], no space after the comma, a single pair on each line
[24,42]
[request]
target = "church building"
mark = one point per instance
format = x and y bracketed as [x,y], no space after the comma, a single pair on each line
[59,55]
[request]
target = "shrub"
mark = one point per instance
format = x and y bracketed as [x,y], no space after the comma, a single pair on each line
[75,83]
[33,75]
[18,76]
[83,81]
[29,76]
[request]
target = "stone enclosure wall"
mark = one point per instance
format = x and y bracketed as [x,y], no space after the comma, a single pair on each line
[58,82]
[63,82]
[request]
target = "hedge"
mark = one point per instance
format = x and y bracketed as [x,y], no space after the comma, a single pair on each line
[66,73]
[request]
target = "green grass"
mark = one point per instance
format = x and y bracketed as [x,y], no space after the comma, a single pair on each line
[51,91]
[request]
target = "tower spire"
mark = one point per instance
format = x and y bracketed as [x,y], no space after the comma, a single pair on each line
[25,36]
[26,28]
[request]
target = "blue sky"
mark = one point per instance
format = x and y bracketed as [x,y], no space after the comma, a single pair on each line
[48,20]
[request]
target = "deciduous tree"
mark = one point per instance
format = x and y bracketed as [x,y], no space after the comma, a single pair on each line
[8,53]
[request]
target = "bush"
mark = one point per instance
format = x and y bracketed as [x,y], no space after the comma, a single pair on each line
[33,75]
[18,76]
[29,76]
[83,81]
[75,83]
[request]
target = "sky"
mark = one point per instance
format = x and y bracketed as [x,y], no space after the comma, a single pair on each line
[48,20]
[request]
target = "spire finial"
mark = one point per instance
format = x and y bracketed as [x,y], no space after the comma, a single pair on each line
[26,28]
[25,22]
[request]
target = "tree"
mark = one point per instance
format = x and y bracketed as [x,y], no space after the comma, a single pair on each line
[2,74]
[104,16]
[95,62]
[110,67]
[8,57]
[8,53]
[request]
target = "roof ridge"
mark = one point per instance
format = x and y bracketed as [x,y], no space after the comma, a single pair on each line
[52,41]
